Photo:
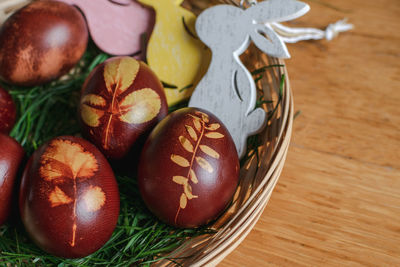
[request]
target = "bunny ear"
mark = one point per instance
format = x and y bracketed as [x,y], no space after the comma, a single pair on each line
[277,10]
[270,44]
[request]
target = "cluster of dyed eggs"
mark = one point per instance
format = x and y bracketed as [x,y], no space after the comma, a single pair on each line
[68,197]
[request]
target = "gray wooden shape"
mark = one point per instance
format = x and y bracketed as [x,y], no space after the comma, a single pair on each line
[228,89]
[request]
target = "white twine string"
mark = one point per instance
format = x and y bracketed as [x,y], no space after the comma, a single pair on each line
[294,35]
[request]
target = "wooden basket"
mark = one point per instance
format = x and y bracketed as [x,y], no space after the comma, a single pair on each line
[259,173]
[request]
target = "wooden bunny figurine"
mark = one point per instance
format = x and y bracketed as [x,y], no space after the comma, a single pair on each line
[228,89]
[177,57]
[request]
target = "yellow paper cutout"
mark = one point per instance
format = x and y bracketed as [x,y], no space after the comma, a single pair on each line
[173,54]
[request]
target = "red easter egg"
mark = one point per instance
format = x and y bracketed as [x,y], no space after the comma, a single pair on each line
[7,112]
[11,155]
[189,168]
[41,42]
[69,199]
[121,100]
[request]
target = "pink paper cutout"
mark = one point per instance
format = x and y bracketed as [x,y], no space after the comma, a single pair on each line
[121,2]
[117,26]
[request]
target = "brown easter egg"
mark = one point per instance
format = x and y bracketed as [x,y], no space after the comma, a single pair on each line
[69,199]
[121,100]
[189,168]
[11,155]
[7,112]
[41,42]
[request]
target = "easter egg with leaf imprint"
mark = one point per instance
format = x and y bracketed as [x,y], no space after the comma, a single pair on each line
[7,112]
[189,168]
[121,100]
[69,199]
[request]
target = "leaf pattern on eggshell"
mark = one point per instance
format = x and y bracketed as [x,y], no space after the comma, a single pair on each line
[120,74]
[188,191]
[57,197]
[181,161]
[94,198]
[186,144]
[214,135]
[213,127]
[196,123]
[209,151]
[191,132]
[183,201]
[140,106]
[200,128]
[133,105]
[66,160]
[180,180]
[193,176]
[204,164]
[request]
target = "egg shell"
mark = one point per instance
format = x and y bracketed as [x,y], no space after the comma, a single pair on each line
[189,168]
[7,112]
[41,42]
[69,199]
[11,156]
[121,100]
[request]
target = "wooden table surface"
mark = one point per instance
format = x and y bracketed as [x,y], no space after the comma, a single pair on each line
[338,199]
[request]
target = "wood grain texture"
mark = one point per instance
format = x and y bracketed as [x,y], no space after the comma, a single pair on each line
[338,199]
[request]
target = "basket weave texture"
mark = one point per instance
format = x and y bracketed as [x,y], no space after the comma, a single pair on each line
[258,175]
